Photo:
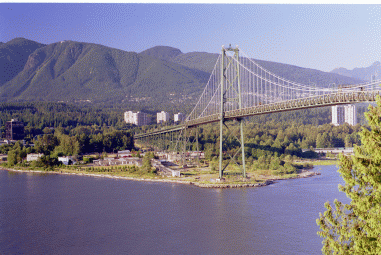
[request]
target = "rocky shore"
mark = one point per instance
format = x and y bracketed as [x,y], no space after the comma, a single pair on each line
[235,185]
[222,185]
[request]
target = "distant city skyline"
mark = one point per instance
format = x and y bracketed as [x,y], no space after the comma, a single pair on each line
[320,37]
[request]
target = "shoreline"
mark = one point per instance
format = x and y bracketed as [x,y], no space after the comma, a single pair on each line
[304,174]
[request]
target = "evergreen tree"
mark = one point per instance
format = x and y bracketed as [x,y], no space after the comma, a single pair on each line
[12,158]
[146,164]
[355,228]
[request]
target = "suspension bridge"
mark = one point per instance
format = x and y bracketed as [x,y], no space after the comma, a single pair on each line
[239,87]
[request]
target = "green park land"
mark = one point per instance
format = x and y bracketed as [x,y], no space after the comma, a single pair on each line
[275,147]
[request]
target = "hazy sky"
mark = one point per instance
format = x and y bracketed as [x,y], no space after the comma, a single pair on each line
[314,36]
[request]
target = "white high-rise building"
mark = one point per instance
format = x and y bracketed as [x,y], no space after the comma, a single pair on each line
[137,118]
[337,115]
[179,117]
[350,114]
[341,114]
[162,117]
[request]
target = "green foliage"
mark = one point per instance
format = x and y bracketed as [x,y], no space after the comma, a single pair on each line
[46,143]
[323,141]
[47,162]
[330,155]
[355,228]
[5,148]
[59,144]
[88,160]
[147,165]
[39,117]
[12,158]
[16,154]
[214,164]
[68,145]
[272,139]
[310,154]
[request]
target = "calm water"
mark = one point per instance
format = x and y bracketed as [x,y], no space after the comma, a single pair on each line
[59,214]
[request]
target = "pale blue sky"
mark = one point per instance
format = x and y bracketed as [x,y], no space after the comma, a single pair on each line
[321,37]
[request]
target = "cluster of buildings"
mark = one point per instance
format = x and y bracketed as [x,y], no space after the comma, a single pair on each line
[141,118]
[66,160]
[344,114]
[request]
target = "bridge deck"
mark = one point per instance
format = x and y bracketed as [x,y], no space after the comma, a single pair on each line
[296,104]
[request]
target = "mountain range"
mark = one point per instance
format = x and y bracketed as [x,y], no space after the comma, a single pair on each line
[362,73]
[159,78]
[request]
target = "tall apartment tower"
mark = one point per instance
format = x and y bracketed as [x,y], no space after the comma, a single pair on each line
[346,113]
[162,117]
[337,115]
[179,117]
[137,118]
[14,130]
[350,114]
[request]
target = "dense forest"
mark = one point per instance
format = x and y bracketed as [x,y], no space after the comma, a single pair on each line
[39,115]
[270,139]
[58,129]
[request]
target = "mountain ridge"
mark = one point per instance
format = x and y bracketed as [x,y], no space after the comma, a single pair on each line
[160,77]
[364,73]
[162,52]
[12,59]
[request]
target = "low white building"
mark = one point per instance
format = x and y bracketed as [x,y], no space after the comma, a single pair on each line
[165,170]
[125,153]
[33,156]
[118,161]
[66,160]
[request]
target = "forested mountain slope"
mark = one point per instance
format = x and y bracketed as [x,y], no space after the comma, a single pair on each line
[13,56]
[159,78]
[82,72]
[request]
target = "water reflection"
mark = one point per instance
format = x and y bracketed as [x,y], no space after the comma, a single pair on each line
[61,214]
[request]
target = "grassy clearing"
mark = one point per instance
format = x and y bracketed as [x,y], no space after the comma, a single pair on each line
[111,171]
[202,175]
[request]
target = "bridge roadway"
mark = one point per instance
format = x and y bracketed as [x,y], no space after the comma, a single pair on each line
[289,105]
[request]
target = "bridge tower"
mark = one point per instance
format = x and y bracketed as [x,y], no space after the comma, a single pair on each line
[230,97]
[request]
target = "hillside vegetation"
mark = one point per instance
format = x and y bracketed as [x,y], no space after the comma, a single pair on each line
[83,72]
[13,57]
[159,78]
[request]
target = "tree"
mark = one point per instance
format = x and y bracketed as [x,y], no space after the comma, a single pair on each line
[323,141]
[146,164]
[12,158]
[355,228]
[46,143]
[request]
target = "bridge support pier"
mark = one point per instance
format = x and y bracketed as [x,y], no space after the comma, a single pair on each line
[242,149]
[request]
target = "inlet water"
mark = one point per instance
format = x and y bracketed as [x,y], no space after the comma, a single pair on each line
[62,214]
